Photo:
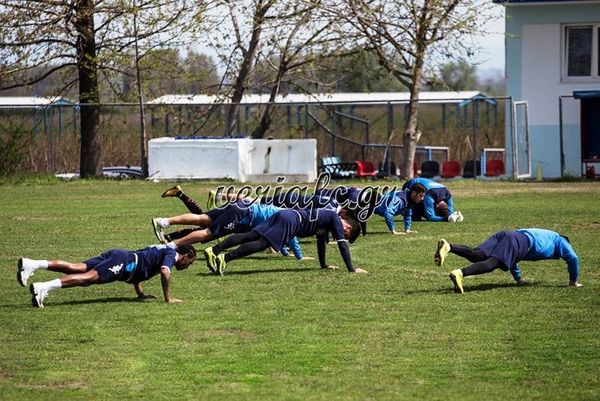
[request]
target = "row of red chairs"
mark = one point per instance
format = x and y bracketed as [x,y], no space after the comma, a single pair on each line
[449,169]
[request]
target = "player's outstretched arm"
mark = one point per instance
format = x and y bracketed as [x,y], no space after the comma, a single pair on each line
[165,280]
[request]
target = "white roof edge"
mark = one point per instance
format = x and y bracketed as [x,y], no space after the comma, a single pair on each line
[401,97]
[30,100]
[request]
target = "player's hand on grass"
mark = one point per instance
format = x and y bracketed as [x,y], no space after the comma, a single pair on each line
[174,301]
[575,284]
[307,258]
[359,270]
[523,282]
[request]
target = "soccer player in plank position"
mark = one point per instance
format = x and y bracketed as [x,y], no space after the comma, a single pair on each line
[505,249]
[437,204]
[284,225]
[132,267]
[237,217]
[394,203]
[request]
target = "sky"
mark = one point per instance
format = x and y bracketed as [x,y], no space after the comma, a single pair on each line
[490,57]
[491,54]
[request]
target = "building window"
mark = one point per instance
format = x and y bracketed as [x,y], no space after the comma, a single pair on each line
[582,52]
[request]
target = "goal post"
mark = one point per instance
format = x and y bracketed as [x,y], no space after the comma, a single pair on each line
[520,141]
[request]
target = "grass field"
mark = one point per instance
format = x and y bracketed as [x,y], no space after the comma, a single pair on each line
[274,328]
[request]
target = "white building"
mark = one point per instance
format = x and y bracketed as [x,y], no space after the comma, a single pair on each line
[553,51]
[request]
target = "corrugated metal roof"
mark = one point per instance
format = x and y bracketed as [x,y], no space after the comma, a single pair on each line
[375,97]
[31,101]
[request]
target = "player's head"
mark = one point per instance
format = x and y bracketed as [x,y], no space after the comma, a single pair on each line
[441,209]
[351,228]
[186,256]
[417,193]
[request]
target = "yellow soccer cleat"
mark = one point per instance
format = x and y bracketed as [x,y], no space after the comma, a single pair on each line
[211,259]
[443,248]
[210,203]
[220,264]
[172,192]
[457,276]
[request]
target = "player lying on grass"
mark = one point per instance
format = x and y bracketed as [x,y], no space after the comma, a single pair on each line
[505,249]
[237,217]
[286,224]
[394,203]
[437,204]
[132,267]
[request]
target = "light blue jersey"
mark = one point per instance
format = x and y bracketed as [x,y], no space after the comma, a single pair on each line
[547,244]
[434,194]
[392,204]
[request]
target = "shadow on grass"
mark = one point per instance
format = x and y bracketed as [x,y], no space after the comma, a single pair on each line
[266,270]
[480,287]
[78,302]
[103,301]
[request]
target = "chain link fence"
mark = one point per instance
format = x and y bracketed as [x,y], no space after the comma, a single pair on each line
[46,139]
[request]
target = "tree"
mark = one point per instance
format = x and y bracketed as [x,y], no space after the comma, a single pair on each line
[272,40]
[409,35]
[91,36]
[455,76]
[301,38]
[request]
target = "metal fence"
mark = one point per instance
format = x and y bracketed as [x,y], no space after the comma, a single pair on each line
[46,139]
[570,136]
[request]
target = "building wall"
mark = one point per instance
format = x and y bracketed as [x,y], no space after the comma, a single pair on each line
[533,71]
[244,160]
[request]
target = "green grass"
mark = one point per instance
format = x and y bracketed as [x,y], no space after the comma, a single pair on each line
[274,328]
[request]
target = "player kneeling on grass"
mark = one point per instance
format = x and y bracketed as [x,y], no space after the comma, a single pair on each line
[113,265]
[505,249]
[284,225]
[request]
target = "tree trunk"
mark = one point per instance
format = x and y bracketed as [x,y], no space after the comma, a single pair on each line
[89,98]
[411,132]
[240,82]
[267,115]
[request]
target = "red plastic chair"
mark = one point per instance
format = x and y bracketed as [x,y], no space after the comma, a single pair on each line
[365,168]
[494,168]
[450,169]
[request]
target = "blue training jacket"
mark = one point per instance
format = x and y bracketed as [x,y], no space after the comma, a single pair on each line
[392,204]
[547,244]
[434,193]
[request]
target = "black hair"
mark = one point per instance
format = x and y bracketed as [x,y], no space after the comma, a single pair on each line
[417,188]
[355,229]
[187,250]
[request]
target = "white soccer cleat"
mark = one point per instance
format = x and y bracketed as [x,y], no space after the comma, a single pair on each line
[25,269]
[158,230]
[37,295]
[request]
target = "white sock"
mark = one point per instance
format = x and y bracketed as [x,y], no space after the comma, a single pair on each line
[51,285]
[37,264]
[164,223]
[172,245]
